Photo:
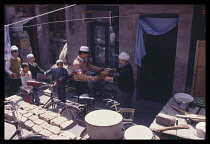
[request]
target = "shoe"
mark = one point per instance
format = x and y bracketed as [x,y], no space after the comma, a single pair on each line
[63,101]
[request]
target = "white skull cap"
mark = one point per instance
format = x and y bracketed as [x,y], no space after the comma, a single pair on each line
[13,48]
[84,48]
[29,56]
[124,56]
[59,61]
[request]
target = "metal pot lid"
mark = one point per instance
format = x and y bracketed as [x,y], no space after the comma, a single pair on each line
[103,118]
[138,132]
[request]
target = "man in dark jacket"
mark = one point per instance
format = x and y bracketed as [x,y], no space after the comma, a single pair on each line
[125,80]
[60,74]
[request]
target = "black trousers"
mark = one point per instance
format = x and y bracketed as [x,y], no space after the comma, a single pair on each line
[14,86]
[126,98]
[81,88]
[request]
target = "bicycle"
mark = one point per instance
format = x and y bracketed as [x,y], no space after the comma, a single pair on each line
[13,106]
[77,112]
[97,89]
[52,104]
[28,94]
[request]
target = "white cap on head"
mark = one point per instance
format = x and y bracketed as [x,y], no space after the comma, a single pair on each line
[124,56]
[84,48]
[59,61]
[13,48]
[29,56]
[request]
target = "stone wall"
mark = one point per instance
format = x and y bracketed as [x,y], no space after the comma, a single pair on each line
[76,32]
[43,36]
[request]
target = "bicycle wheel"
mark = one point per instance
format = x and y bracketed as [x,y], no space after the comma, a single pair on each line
[72,113]
[54,107]
[70,87]
[71,90]
[25,95]
[35,137]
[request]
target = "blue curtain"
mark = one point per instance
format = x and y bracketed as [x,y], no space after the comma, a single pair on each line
[153,26]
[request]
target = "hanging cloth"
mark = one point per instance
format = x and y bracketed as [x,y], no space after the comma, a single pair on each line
[7,44]
[153,26]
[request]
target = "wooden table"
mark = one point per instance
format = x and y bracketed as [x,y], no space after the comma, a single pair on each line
[182,133]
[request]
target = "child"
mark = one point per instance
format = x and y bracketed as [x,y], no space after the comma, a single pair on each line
[24,78]
[13,68]
[60,74]
[33,66]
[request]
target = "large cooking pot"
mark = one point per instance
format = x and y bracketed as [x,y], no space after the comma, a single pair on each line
[104,124]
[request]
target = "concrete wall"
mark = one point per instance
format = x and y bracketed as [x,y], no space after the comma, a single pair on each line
[127,36]
[43,35]
[76,32]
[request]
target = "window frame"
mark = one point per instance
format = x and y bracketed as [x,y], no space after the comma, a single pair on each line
[114,23]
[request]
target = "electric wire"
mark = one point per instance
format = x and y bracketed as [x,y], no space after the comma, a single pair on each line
[77,20]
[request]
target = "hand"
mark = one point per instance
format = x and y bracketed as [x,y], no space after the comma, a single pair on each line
[108,78]
[14,75]
[96,78]
[22,73]
[114,69]
[101,69]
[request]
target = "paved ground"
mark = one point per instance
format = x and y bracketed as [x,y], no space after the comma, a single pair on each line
[145,113]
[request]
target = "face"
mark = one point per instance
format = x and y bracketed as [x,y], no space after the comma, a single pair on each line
[26,69]
[60,65]
[84,56]
[15,54]
[122,62]
[31,60]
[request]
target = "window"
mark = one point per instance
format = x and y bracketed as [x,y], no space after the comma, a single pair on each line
[104,37]
[56,16]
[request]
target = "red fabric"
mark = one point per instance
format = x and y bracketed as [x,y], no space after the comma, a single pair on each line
[84,72]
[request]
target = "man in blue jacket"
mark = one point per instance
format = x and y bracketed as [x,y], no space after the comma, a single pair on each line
[125,80]
[60,75]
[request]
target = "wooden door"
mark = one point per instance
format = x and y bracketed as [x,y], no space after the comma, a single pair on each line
[199,78]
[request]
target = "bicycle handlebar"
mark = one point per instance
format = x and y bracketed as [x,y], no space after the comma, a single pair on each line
[12,103]
[115,103]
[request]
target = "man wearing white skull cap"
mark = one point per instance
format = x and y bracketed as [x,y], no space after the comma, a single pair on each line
[80,66]
[13,68]
[125,80]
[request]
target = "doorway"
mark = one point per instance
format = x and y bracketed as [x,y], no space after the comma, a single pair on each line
[157,72]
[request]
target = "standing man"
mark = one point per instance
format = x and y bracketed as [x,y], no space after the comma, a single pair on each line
[80,66]
[13,68]
[125,80]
